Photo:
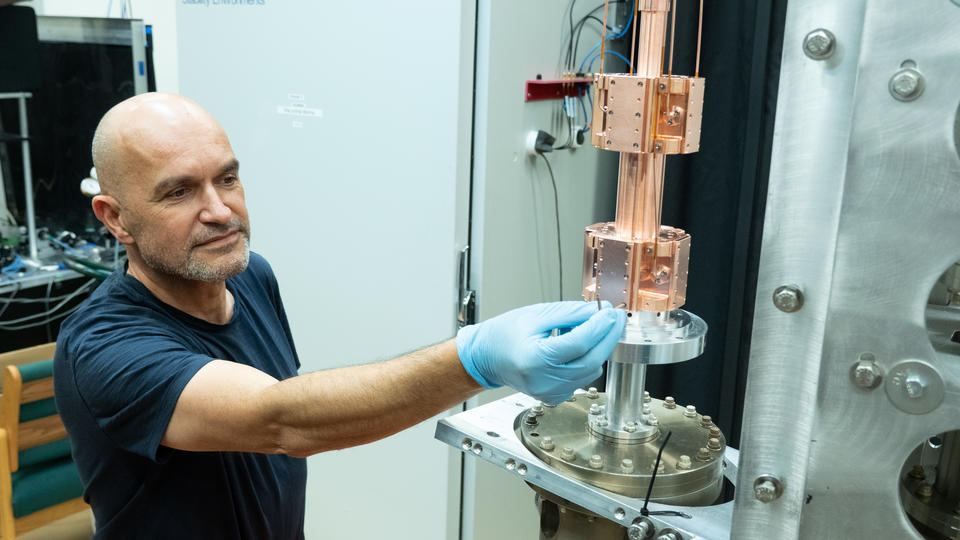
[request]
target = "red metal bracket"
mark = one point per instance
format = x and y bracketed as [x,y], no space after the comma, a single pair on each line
[538,90]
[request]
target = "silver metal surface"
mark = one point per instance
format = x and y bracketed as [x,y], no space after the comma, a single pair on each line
[767,488]
[819,44]
[487,432]
[856,175]
[138,46]
[624,404]
[27,175]
[86,30]
[664,338]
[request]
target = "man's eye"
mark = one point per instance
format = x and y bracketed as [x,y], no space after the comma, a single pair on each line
[177,193]
[230,180]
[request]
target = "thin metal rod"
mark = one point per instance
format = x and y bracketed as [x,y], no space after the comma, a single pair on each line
[603,35]
[673,27]
[633,38]
[27,178]
[696,71]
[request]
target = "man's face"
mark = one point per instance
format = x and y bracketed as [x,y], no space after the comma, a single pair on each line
[185,207]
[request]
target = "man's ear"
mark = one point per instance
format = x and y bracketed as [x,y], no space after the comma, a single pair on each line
[107,210]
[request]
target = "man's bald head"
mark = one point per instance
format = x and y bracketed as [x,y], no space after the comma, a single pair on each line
[145,128]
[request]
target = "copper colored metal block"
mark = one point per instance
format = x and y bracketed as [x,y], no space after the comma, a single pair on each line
[647,114]
[633,274]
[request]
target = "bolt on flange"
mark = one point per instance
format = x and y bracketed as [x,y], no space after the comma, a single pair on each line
[819,44]
[866,373]
[767,488]
[788,298]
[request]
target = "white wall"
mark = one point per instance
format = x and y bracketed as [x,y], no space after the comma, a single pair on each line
[159,13]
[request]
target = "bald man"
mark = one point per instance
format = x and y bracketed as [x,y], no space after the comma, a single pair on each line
[177,380]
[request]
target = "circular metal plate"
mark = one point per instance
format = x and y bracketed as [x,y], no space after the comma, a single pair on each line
[683,479]
[666,338]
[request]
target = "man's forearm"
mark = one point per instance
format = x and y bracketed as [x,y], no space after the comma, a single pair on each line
[344,407]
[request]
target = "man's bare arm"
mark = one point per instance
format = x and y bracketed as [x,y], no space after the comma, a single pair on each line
[233,407]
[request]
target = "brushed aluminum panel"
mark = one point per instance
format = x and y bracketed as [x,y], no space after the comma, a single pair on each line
[863,192]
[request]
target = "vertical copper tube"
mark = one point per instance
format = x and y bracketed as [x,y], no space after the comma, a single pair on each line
[640,185]
[603,34]
[639,196]
[696,71]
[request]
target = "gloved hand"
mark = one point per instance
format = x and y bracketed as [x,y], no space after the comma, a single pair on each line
[517,350]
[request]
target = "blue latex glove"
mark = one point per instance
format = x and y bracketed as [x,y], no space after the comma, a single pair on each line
[517,350]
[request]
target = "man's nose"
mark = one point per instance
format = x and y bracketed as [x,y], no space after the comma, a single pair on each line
[214,210]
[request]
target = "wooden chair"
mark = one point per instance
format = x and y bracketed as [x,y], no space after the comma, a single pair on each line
[39,482]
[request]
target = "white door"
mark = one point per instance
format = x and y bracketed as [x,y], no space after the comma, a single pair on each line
[351,122]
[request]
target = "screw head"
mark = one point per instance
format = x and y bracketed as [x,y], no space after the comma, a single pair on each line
[767,488]
[906,84]
[866,373]
[596,461]
[669,403]
[924,490]
[788,298]
[594,408]
[819,44]
[684,462]
[639,530]
[690,412]
[630,427]
[914,386]
[567,454]
[547,443]
[713,443]
[592,393]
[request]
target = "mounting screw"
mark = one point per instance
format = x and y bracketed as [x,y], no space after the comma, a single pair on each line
[691,411]
[547,443]
[646,397]
[669,403]
[713,443]
[703,455]
[788,298]
[531,419]
[592,393]
[670,535]
[767,488]
[706,421]
[866,373]
[819,44]
[715,432]
[684,463]
[594,408]
[537,409]
[914,385]
[906,84]
[630,427]
[596,461]
[640,529]
[567,454]
[626,466]
[924,490]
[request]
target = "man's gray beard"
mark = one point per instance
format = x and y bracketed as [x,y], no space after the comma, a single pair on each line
[196,270]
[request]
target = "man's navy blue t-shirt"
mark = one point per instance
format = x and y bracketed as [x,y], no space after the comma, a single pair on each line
[122,361]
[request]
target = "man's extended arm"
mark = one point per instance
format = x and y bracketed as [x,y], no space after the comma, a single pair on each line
[232,407]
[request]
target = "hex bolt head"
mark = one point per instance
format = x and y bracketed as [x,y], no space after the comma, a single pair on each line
[537,409]
[918,472]
[767,488]
[660,469]
[630,427]
[691,412]
[669,536]
[531,419]
[788,298]
[567,454]
[596,461]
[547,443]
[906,84]
[866,373]
[703,455]
[684,462]
[819,44]
[924,490]
[645,409]
[594,408]
[715,432]
[713,443]
[626,466]
[646,397]
[592,393]
[914,385]
[706,421]
[669,403]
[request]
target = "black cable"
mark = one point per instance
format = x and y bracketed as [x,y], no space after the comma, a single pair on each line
[656,465]
[574,43]
[556,213]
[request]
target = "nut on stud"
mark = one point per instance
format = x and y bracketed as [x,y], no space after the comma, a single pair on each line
[703,455]
[594,408]
[669,403]
[546,443]
[684,463]
[713,443]
[567,454]
[690,412]
[626,466]
[596,461]
[592,393]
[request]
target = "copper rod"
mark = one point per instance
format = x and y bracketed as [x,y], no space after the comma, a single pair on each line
[633,38]
[603,36]
[673,26]
[696,71]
